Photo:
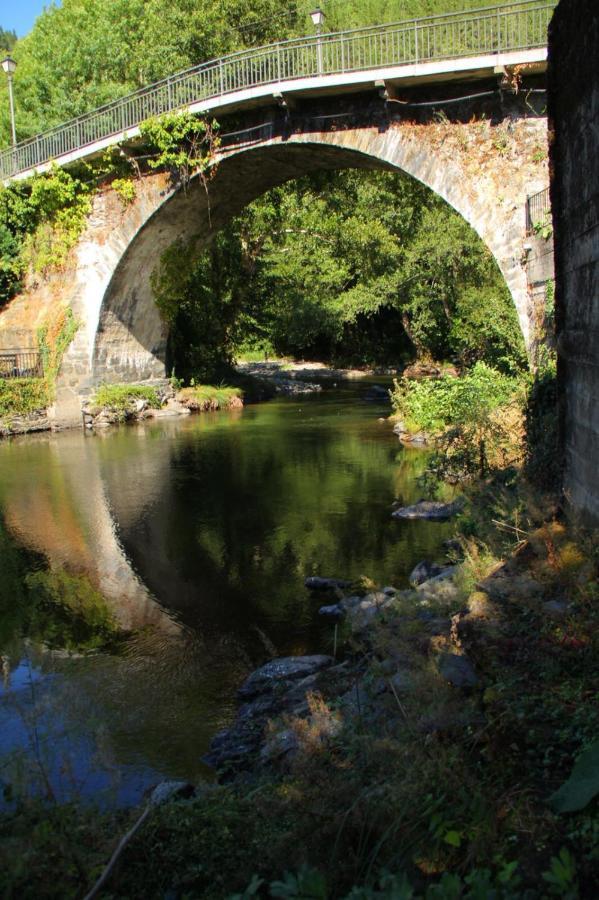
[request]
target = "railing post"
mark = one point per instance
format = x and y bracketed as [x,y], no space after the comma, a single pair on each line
[342,54]
[498,33]
[221,77]
[416,43]
[278,62]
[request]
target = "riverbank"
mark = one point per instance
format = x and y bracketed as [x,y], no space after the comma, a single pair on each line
[24,404]
[118,403]
[436,740]
[292,378]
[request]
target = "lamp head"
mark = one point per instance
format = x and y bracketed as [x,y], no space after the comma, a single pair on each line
[317,17]
[9,65]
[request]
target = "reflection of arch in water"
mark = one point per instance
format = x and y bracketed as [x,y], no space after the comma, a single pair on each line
[54,501]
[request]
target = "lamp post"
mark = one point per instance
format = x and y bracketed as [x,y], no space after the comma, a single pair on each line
[317,17]
[9,66]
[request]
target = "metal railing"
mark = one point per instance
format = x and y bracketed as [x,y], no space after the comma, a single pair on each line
[21,364]
[538,210]
[520,25]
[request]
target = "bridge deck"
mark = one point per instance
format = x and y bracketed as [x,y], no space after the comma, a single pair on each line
[435,49]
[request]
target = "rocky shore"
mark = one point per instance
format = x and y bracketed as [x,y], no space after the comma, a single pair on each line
[163,401]
[290,698]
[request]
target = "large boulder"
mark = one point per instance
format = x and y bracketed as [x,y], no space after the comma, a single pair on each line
[457,670]
[285,669]
[425,570]
[429,509]
[317,583]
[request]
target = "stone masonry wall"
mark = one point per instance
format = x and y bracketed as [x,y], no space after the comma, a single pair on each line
[574,129]
[483,162]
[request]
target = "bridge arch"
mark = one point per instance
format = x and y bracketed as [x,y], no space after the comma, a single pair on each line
[122,337]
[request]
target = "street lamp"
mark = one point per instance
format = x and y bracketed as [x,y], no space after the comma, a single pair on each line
[9,66]
[317,17]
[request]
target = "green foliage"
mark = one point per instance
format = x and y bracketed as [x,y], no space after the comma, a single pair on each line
[467,417]
[7,39]
[582,785]
[49,606]
[184,142]
[69,612]
[544,227]
[436,404]
[19,396]
[120,397]
[561,876]
[53,340]
[207,397]
[306,884]
[543,459]
[201,300]
[125,188]
[349,266]
[58,204]
[84,53]
[40,221]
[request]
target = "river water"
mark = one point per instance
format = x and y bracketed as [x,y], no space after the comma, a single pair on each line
[146,570]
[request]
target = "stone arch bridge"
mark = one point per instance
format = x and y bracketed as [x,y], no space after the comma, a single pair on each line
[469,124]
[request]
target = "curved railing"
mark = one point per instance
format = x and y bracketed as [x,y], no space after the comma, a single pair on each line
[519,25]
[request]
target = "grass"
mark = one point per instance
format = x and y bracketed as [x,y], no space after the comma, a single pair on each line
[120,397]
[203,397]
[21,396]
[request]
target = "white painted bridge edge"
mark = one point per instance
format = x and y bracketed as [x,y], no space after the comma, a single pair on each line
[324,85]
[440,45]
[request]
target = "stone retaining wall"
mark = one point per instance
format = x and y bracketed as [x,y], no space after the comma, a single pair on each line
[574,126]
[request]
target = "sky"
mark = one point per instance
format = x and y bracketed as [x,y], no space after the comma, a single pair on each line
[19,15]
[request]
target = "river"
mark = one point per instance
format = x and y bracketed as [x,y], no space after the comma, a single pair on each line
[147,569]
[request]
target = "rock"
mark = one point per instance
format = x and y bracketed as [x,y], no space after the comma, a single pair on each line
[363,614]
[429,509]
[390,591]
[446,573]
[261,706]
[282,744]
[422,370]
[348,603]
[423,571]
[170,790]
[332,612]
[316,583]
[291,387]
[453,548]
[435,626]
[416,439]
[139,405]
[172,408]
[479,605]
[457,670]
[287,668]
[441,587]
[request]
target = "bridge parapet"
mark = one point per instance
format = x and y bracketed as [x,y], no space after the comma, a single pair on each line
[389,50]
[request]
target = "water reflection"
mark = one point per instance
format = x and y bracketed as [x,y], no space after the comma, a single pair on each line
[168,559]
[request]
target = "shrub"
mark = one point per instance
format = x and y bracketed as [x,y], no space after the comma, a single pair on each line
[474,419]
[119,397]
[20,396]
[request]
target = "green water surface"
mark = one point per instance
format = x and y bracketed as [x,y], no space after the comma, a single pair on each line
[146,570]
